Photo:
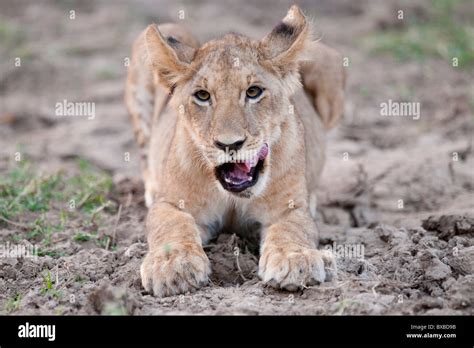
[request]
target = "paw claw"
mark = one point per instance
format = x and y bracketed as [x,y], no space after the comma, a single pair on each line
[294,270]
[175,272]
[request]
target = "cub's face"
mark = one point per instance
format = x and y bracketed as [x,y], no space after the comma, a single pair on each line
[233,107]
[233,95]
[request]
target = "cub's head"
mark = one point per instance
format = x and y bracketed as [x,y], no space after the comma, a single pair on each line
[233,94]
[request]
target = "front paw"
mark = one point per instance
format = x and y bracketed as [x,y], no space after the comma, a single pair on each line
[168,271]
[295,268]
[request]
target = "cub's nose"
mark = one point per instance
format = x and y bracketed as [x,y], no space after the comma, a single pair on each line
[230,145]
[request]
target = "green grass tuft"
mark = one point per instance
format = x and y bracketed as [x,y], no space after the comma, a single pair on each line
[41,205]
[442,35]
[13,303]
[48,288]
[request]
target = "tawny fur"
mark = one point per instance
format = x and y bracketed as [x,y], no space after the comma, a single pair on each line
[187,205]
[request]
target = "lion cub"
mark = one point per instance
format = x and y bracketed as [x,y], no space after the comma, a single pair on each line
[229,137]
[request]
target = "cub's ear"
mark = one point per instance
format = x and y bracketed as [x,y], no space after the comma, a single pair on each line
[287,42]
[169,58]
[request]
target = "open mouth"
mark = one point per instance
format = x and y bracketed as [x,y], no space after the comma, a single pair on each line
[239,175]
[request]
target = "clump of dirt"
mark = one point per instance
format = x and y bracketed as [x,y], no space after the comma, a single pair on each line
[111,301]
[448,226]
[232,262]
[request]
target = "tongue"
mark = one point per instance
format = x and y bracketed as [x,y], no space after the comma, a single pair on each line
[263,152]
[241,170]
[243,166]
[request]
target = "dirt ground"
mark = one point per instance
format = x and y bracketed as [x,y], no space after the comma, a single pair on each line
[402,188]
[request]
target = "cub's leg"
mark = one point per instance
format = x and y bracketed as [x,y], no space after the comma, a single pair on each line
[289,258]
[324,79]
[176,262]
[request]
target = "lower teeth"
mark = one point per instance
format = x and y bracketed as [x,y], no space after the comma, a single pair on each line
[230,181]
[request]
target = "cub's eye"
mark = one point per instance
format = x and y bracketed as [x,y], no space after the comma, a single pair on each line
[253,92]
[202,95]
